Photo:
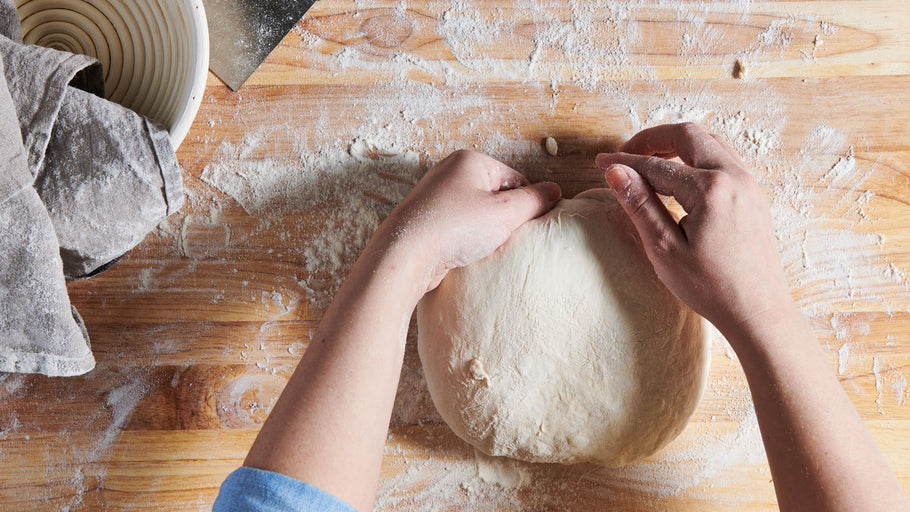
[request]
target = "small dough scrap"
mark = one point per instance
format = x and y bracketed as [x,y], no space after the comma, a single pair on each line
[563,345]
[739,69]
[552,146]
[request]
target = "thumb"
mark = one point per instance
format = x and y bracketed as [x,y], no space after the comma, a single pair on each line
[658,230]
[529,202]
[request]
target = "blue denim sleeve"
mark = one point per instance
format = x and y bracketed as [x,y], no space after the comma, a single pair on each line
[255,490]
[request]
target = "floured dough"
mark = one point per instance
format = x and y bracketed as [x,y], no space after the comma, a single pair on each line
[563,346]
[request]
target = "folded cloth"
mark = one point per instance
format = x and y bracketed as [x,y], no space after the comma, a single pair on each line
[37,79]
[80,178]
[40,332]
[109,177]
[9,21]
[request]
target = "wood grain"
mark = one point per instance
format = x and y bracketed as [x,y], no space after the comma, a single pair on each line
[197,329]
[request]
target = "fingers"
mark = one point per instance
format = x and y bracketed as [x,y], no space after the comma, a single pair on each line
[658,230]
[666,177]
[526,203]
[500,175]
[483,170]
[726,145]
[690,142]
[506,178]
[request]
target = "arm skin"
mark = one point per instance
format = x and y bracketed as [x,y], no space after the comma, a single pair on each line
[330,424]
[722,260]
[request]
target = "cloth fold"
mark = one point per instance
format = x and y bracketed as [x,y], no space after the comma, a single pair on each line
[82,181]
[9,21]
[40,332]
[109,177]
[38,79]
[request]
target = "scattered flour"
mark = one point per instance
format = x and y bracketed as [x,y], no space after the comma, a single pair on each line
[502,471]
[357,182]
[72,462]
[343,186]
[843,358]
[397,134]
[121,401]
[900,387]
[844,167]
[146,280]
[877,373]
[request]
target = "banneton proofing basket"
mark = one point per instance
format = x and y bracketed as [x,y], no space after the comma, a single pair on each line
[154,53]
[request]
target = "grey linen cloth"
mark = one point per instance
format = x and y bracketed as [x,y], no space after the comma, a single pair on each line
[39,330]
[82,181]
[109,177]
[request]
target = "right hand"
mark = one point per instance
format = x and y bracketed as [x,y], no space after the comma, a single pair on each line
[722,258]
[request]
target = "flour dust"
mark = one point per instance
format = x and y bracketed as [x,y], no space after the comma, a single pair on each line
[581,67]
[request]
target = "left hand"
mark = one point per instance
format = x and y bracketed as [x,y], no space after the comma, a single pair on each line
[331,422]
[463,209]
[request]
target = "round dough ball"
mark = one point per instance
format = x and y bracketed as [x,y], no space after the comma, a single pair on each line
[563,346]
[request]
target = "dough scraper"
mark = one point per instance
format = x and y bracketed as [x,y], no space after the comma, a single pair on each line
[242,33]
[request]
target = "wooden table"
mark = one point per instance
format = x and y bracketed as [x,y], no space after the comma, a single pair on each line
[197,329]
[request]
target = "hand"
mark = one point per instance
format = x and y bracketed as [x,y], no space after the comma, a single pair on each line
[463,209]
[331,422]
[722,258]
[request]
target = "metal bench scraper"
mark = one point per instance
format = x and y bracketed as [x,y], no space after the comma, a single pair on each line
[242,33]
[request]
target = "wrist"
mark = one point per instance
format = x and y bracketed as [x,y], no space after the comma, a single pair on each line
[397,254]
[768,330]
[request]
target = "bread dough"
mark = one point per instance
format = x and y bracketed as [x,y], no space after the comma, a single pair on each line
[563,346]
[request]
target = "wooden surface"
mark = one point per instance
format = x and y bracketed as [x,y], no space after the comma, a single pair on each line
[197,329]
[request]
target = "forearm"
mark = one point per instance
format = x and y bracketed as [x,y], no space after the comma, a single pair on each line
[329,426]
[822,457]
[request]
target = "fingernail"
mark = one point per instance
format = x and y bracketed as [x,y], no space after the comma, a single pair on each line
[618,177]
[552,190]
[602,160]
